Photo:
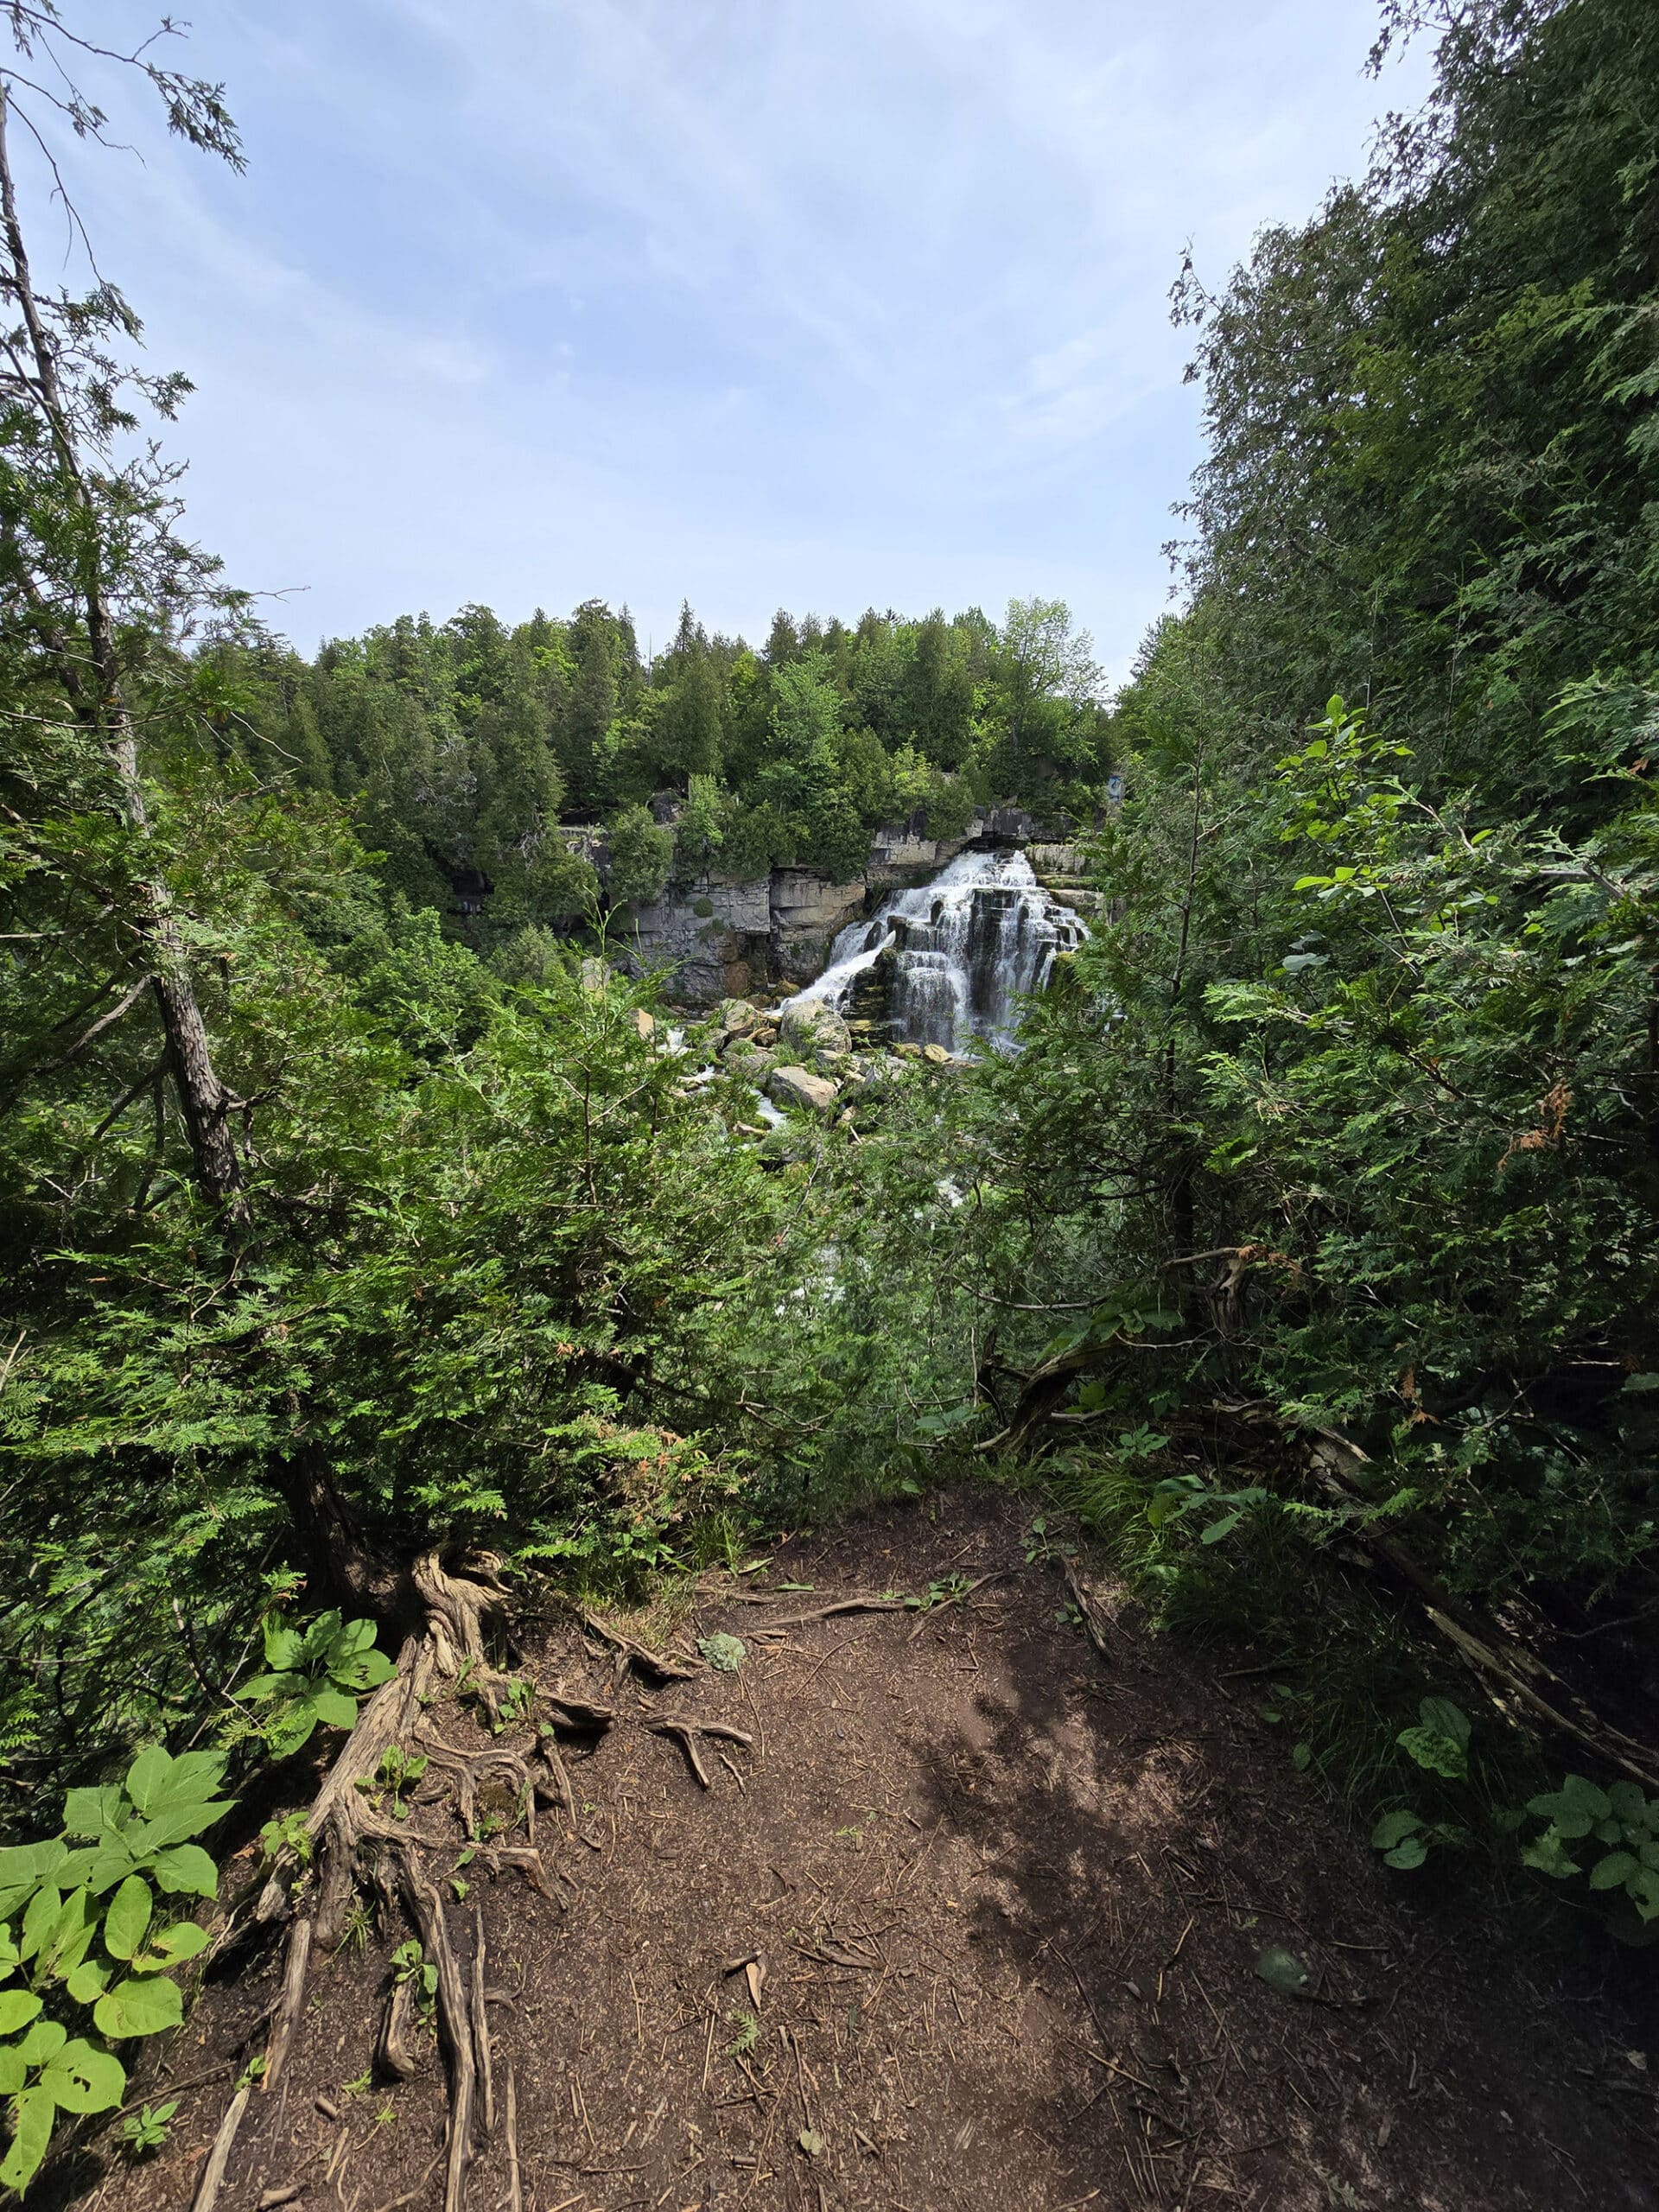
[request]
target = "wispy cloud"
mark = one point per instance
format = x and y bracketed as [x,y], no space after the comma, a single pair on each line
[751,300]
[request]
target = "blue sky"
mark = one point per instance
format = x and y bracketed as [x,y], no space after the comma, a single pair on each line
[823,303]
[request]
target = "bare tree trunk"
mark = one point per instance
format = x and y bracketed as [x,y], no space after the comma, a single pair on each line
[101,710]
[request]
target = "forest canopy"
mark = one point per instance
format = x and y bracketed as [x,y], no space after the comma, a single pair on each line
[460,747]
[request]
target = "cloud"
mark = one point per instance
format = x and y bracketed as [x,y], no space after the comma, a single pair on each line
[749,301]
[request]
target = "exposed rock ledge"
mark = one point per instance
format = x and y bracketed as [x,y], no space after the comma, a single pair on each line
[723,940]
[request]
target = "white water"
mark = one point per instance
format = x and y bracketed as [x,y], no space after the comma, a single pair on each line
[969,947]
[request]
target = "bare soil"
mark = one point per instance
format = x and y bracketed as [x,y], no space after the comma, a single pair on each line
[974,1924]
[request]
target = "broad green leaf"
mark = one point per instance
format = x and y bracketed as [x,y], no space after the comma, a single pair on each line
[1410,1852]
[31,2124]
[69,1938]
[1436,1753]
[17,2008]
[187,1871]
[42,2040]
[94,1813]
[83,2079]
[45,1910]
[1614,1871]
[177,1825]
[141,2005]
[1445,1719]
[283,1646]
[128,1917]
[23,1867]
[89,1980]
[1392,1826]
[262,1689]
[335,1707]
[159,1784]
[184,1940]
[13,2072]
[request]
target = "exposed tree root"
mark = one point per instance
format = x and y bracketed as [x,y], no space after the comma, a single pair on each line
[687,1734]
[658,1667]
[392,2053]
[455,2034]
[515,2184]
[349,1824]
[213,2174]
[482,2052]
[297,1959]
[1094,1615]
[830,1612]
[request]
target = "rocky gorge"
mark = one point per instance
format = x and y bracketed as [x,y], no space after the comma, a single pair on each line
[719,939]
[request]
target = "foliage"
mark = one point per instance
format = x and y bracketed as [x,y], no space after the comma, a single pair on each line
[1622,1819]
[410,1965]
[147,2130]
[317,1674]
[83,1908]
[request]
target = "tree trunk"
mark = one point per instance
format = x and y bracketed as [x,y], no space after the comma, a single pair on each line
[93,685]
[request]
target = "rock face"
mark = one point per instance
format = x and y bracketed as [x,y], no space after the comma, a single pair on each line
[811,1028]
[722,940]
[806,912]
[800,1088]
[716,938]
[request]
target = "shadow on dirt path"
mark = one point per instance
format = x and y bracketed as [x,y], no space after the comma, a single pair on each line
[974,1924]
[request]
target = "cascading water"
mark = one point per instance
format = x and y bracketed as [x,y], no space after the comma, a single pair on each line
[949,961]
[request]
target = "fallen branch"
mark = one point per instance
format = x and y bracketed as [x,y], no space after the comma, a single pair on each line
[1094,1615]
[828,1612]
[687,1734]
[655,1665]
[213,2174]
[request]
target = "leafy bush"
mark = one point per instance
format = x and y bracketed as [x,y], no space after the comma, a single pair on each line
[87,1940]
[1622,1818]
[317,1674]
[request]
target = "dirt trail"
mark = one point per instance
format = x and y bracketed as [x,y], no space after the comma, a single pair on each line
[1008,1898]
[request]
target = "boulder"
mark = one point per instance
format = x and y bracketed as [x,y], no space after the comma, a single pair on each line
[749,1062]
[737,1017]
[595,974]
[810,1026]
[800,1088]
[936,1056]
[643,1022]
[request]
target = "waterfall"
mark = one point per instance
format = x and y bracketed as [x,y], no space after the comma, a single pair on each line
[948,963]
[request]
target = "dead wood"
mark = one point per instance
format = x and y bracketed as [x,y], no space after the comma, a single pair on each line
[555,1787]
[454,2034]
[579,1712]
[1514,1677]
[658,1667]
[392,2053]
[1094,1615]
[686,1737]
[213,2174]
[686,1734]
[482,2051]
[828,1612]
[515,2185]
[298,1957]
